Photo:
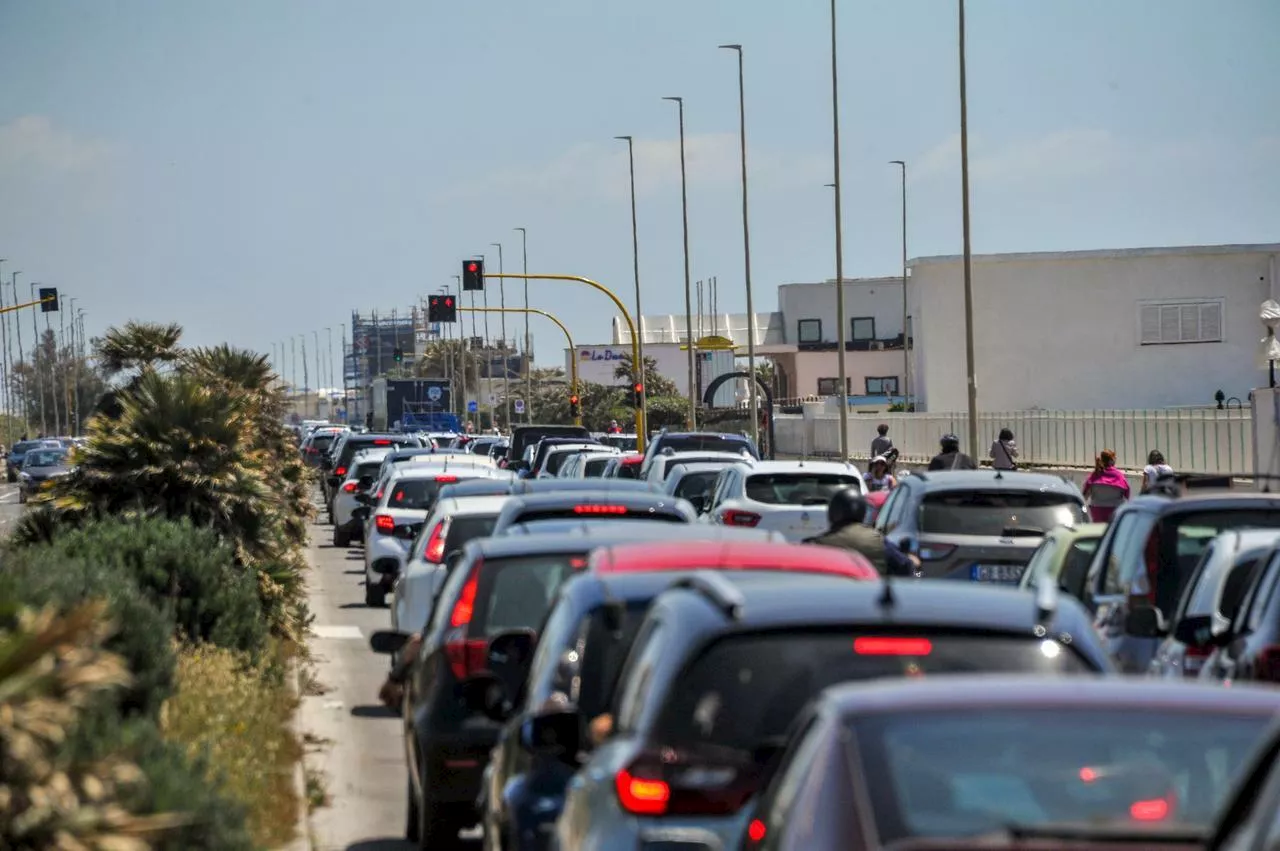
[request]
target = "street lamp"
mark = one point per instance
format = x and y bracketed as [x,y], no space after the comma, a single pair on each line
[638,370]
[968,254]
[752,390]
[502,303]
[528,340]
[688,296]
[843,378]
[906,340]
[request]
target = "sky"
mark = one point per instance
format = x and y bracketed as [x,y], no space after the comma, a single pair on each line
[256,171]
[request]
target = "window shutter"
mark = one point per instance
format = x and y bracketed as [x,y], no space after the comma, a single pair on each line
[1170,323]
[1211,322]
[1149,317]
[1189,324]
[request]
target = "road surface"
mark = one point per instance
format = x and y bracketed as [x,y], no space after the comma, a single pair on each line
[10,510]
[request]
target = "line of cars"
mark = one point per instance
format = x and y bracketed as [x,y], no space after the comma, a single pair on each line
[31,463]
[593,662]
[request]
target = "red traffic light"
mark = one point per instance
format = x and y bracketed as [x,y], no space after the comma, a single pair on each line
[471,267]
[639,387]
[573,400]
[448,302]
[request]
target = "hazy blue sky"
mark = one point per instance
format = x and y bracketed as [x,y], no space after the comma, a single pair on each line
[258,169]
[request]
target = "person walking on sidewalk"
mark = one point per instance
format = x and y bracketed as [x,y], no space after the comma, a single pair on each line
[1004,451]
[881,444]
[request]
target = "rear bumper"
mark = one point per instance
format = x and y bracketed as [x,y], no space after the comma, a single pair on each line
[453,768]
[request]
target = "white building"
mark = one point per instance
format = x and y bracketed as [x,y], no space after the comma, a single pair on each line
[1117,329]
[596,364]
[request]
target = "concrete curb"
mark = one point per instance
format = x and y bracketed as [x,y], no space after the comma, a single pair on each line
[301,842]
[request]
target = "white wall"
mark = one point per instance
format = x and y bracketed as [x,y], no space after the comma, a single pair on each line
[671,328]
[597,363]
[880,298]
[1061,331]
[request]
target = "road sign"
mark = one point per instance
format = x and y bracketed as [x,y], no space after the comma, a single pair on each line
[519,406]
[434,393]
[472,406]
[362,344]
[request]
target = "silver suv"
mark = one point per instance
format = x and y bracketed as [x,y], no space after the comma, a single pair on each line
[974,525]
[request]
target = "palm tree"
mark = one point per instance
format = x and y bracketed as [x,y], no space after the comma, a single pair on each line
[51,668]
[139,346]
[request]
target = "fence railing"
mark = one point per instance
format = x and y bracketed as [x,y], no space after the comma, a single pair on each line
[1192,441]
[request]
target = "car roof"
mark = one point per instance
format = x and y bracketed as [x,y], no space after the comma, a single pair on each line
[695,467]
[461,505]
[949,692]
[1209,500]
[674,455]
[732,554]
[521,487]
[938,480]
[647,498]
[433,471]
[770,600]
[803,466]
[663,529]
[586,537]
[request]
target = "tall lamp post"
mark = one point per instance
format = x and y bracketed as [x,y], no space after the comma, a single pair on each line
[752,390]
[637,369]
[502,318]
[528,340]
[843,374]
[328,332]
[906,338]
[688,294]
[968,254]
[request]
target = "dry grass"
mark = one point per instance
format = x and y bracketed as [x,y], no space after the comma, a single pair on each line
[240,716]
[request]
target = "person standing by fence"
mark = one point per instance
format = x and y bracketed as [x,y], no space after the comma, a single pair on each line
[1155,470]
[1004,449]
[881,444]
[1106,488]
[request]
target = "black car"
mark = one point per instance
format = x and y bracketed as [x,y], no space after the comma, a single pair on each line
[344,449]
[522,437]
[721,668]
[954,762]
[594,505]
[1247,647]
[695,441]
[1149,554]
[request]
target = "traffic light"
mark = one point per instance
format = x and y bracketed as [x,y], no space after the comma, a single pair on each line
[442,308]
[637,395]
[48,299]
[575,405]
[397,355]
[473,274]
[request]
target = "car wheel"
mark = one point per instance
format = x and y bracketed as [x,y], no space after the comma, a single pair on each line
[341,538]
[411,823]
[375,596]
[437,832]
[11,477]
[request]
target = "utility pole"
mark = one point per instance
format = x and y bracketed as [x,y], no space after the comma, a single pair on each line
[840,309]
[688,296]
[17,324]
[35,363]
[637,369]
[4,368]
[502,318]
[968,254]
[528,340]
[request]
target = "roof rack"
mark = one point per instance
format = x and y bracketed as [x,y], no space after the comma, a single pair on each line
[720,592]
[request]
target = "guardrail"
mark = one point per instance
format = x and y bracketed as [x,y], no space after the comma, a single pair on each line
[1192,441]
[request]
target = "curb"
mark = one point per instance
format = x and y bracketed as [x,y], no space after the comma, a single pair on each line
[301,842]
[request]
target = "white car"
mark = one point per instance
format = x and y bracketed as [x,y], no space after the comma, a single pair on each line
[666,461]
[401,504]
[453,522]
[693,482]
[561,452]
[782,496]
[585,465]
[361,475]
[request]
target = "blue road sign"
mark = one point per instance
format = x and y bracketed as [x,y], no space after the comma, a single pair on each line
[472,406]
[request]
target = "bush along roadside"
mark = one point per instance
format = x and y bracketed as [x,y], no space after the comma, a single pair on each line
[169,566]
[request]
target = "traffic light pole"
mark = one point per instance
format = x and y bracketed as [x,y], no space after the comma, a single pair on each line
[11,308]
[573,350]
[636,361]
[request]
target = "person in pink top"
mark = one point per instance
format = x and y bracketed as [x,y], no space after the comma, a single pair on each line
[1106,488]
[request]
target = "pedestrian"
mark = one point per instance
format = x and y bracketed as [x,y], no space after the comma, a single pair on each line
[881,444]
[878,477]
[614,428]
[846,512]
[1004,449]
[951,458]
[1106,488]
[1155,470]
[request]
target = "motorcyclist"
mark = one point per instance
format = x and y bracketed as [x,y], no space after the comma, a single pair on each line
[845,515]
[951,458]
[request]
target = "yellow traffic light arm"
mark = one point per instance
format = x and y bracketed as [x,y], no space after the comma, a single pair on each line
[14,307]
[637,367]
[573,350]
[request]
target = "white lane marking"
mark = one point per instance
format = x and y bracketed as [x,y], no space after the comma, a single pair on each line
[338,632]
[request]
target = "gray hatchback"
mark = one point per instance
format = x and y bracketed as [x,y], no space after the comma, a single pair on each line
[974,525]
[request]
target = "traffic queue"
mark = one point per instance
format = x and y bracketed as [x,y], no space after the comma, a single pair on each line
[693,647]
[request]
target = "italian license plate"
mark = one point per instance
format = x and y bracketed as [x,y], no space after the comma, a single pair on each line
[1002,573]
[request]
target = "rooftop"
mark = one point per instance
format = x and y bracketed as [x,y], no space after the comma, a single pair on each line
[1104,253]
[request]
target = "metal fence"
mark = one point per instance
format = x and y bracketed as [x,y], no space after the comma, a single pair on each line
[1192,441]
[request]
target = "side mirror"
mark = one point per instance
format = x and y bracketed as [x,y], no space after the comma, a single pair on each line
[388,642]
[556,732]
[407,533]
[1145,622]
[1194,631]
[326,463]
[386,566]
[511,648]
[485,694]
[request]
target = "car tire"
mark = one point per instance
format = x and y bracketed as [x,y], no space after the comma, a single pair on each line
[12,477]
[435,832]
[341,538]
[411,823]
[375,596]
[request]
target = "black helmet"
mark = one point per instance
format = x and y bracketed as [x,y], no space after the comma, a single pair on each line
[846,508]
[950,440]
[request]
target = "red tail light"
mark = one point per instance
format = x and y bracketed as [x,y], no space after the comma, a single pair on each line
[350,487]
[1268,665]
[756,830]
[340,472]
[466,605]
[666,786]
[385,523]
[446,479]
[435,544]
[870,645]
[1157,809]
[599,509]
[733,517]
[1193,660]
[467,657]
[382,443]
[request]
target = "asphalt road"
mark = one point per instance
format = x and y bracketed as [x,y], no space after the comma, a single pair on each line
[10,510]
[353,740]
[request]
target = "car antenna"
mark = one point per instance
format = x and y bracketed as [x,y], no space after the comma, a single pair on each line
[886,600]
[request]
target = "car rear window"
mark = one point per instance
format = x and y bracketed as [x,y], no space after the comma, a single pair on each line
[695,484]
[626,470]
[944,774]
[594,467]
[464,528]
[990,513]
[708,443]
[350,448]
[321,442]
[516,593]
[744,691]
[419,494]
[24,446]
[368,468]
[796,488]
[556,460]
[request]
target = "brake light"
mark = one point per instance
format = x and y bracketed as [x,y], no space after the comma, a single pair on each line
[1193,659]
[667,785]
[1157,809]
[599,509]
[1088,775]
[341,471]
[1268,664]
[385,523]
[467,657]
[870,645]
[465,607]
[756,830]
[734,517]
[382,443]
[640,796]
[446,479]
[349,487]
[435,544]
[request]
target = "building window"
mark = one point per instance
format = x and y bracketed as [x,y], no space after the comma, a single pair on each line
[809,331]
[884,386]
[863,328]
[828,386]
[1167,322]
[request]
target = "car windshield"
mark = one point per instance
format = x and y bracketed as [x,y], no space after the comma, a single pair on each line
[695,484]
[744,691]
[989,513]
[951,774]
[796,488]
[45,458]
[516,593]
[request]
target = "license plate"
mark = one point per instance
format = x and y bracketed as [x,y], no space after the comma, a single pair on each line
[1003,573]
